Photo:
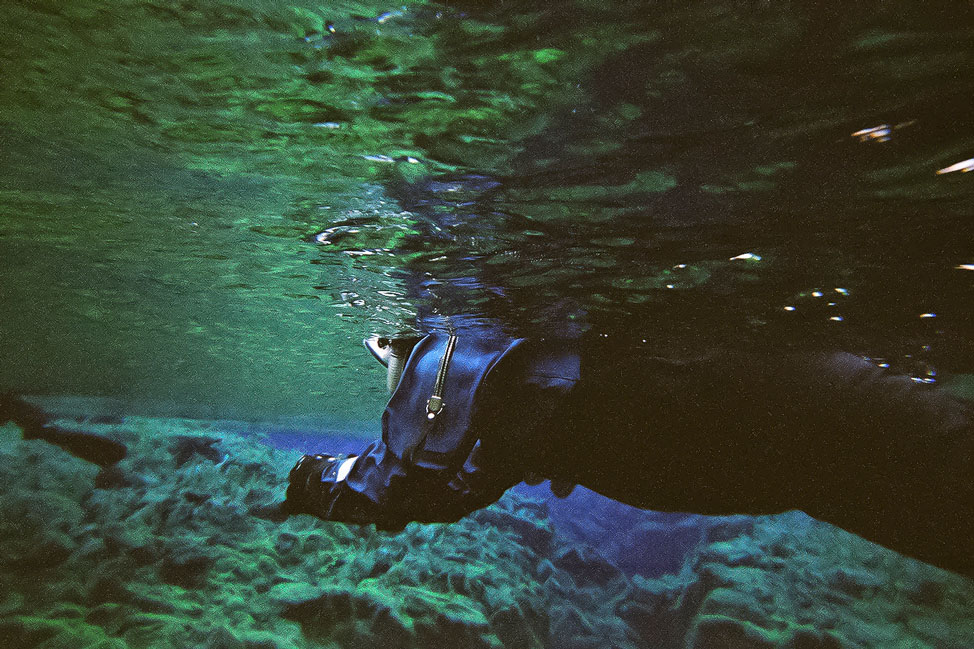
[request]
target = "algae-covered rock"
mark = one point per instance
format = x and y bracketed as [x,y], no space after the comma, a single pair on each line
[186,567]
[189,447]
[290,595]
[587,565]
[529,520]
[719,632]
[171,558]
[857,583]
[663,546]
[54,633]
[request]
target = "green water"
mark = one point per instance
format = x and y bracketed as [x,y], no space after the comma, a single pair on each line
[166,169]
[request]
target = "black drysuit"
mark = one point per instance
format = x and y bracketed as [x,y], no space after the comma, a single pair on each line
[829,433]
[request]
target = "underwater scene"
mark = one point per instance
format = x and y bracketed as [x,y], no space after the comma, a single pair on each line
[207,205]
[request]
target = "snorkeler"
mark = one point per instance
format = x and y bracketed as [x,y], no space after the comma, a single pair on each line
[731,433]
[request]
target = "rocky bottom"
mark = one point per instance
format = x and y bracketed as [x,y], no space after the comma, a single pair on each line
[161,552]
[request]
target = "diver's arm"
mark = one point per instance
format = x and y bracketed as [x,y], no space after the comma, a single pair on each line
[895,461]
[863,448]
[829,433]
[376,487]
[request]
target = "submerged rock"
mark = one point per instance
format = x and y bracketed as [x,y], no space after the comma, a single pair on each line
[187,567]
[587,565]
[187,447]
[35,423]
[168,556]
[112,477]
[662,548]
[720,632]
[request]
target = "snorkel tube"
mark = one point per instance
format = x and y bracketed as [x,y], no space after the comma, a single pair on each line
[396,363]
[393,353]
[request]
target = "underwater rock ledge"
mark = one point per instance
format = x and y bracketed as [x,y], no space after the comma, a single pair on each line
[167,556]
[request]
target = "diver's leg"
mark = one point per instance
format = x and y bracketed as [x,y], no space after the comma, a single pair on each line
[896,465]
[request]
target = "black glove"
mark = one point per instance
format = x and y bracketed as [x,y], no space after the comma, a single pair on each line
[304,483]
[301,480]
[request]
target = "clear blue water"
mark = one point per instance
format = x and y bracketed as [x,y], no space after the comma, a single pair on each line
[209,211]
[205,206]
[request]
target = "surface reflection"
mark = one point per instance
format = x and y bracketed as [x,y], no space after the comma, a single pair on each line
[332,172]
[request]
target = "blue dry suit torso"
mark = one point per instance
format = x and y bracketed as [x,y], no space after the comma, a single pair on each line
[464,457]
[829,433]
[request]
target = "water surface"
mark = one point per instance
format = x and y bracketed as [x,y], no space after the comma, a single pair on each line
[207,205]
